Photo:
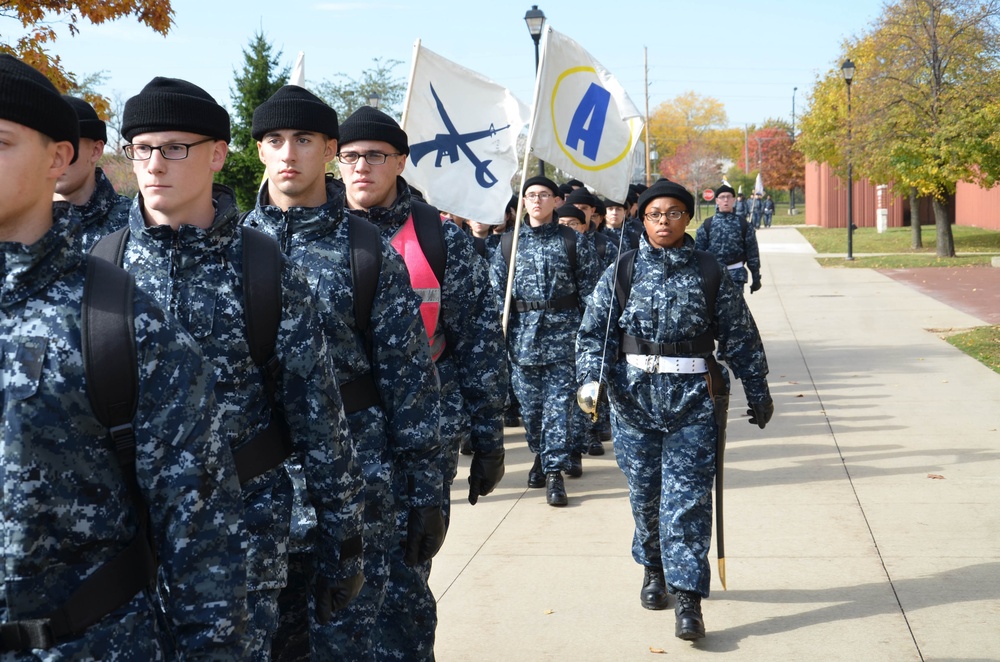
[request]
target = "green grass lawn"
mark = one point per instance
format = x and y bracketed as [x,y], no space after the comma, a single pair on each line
[891,249]
[982,344]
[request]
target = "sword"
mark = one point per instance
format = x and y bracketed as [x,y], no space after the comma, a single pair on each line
[720,401]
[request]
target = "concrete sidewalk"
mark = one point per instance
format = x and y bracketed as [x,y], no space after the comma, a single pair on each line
[861,524]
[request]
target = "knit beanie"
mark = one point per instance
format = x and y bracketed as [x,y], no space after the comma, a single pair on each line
[540,181]
[665,188]
[613,203]
[30,99]
[91,126]
[296,108]
[725,188]
[367,123]
[581,196]
[565,190]
[570,210]
[172,104]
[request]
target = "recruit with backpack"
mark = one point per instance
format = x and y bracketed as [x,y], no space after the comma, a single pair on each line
[568,236]
[262,262]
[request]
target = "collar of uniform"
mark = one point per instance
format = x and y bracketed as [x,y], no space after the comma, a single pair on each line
[389,218]
[668,256]
[30,269]
[190,239]
[103,199]
[307,223]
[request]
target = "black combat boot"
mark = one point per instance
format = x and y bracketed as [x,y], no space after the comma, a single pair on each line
[654,589]
[555,491]
[536,477]
[690,625]
[575,465]
[595,447]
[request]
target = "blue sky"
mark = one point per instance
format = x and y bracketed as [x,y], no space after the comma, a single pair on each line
[748,55]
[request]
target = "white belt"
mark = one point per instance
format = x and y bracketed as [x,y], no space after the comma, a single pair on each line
[652,363]
[735,265]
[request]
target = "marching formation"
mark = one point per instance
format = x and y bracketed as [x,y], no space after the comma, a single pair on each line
[233,435]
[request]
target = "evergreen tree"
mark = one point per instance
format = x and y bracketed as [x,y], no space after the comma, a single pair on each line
[259,79]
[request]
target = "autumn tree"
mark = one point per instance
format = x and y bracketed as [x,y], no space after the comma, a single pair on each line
[260,78]
[772,153]
[346,94]
[40,18]
[923,103]
[693,165]
[689,118]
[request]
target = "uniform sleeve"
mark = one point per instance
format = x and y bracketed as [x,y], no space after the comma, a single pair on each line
[407,381]
[472,331]
[588,266]
[188,477]
[310,398]
[740,345]
[701,238]
[752,252]
[590,338]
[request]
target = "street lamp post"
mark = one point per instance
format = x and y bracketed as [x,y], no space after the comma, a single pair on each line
[791,190]
[374,99]
[847,68]
[535,18]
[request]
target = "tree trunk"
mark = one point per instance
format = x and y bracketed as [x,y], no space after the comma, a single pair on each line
[945,242]
[917,241]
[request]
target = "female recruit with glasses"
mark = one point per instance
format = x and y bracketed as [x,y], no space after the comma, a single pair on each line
[668,394]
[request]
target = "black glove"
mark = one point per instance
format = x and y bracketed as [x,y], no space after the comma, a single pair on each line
[425,532]
[760,413]
[334,597]
[754,286]
[486,471]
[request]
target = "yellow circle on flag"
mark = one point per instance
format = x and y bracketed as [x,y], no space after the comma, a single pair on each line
[552,107]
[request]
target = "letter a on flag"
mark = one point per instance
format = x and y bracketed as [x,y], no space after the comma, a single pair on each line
[583,121]
[462,129]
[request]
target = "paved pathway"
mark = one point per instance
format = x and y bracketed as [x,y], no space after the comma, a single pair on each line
[862,524]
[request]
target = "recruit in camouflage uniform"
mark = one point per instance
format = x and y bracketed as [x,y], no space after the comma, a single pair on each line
[731,239]
[394,423]
[664,424]
[85,186]
[540,342]
[197,274]
[67,510]
[473,375]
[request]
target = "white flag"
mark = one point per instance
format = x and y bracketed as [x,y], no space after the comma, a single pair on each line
[299,71]
[758,186]
[462,129]
[583,122]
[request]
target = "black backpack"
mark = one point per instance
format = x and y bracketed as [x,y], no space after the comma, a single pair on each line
[569,243]
[744,227]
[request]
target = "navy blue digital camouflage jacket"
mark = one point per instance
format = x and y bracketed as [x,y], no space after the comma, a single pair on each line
[732,240]
[66,509]
[105,212]
[197,275]
[317,239]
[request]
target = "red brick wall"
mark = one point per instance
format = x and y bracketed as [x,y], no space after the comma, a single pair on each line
[826,200]
[977,206]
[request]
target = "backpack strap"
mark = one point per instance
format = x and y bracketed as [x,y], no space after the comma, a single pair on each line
[569,244]
[507,245]
[430,235]
[366,266]
[111,369]
[112,247]
[262,264]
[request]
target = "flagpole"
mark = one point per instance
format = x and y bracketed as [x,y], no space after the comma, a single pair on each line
[409,84]
[520,198]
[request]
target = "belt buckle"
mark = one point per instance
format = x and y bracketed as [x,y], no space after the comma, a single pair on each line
[652,363]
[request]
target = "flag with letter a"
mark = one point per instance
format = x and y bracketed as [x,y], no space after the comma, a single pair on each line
[462,129]
[583,121]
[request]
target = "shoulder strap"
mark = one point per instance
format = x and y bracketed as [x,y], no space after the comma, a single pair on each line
[601,244]
[623,277]
[366,265]
[430,235]
[480,245]
[569,243]
[711,278]
[708,225]
[112,247]
[262,296]
[109,355]
[507,245]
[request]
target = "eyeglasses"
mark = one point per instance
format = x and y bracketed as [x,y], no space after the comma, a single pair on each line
[537,196]
[169,151]
[373,158]
[570,221]
[672,215]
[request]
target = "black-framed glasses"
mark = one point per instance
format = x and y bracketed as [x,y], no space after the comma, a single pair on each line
[537,196]
[672,215]
[170,151]
[373,158]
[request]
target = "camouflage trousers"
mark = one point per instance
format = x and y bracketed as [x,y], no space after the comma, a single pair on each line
[405,626]
[547,396]
[348,636]
[408,619]
[262,609]
[670,477]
